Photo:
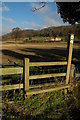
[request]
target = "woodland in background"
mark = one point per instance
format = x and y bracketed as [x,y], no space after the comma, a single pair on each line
[61,31]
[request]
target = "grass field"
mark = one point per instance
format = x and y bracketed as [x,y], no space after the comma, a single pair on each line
[48,106]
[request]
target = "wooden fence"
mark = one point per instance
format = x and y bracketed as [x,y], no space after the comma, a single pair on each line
[25,71]
[28,64]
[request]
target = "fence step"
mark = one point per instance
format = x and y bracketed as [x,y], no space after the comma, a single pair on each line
[37,91]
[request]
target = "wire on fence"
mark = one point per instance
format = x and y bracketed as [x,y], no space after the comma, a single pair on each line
[46,70]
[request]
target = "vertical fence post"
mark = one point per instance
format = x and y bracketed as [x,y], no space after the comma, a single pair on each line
[72,77]
[68,44]
[69,58]
[26,74]
[72,74]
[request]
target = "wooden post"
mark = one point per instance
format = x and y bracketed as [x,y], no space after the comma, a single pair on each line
[72,77]
[68,44]
[69,58]
[72,74]
[26,74]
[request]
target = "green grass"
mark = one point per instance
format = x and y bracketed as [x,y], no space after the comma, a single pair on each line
[48,106]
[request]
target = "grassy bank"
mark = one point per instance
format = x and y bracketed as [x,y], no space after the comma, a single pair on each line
[48,106]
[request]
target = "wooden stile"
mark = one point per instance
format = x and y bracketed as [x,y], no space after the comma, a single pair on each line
[48,90]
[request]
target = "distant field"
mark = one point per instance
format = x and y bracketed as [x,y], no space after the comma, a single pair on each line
[13,52]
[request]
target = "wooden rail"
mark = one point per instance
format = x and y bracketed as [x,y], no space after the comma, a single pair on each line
[10,71]
[47,63]
[19,70]
[35,88]
[27,77]
[48,90]
[28,64]
[11,87]
[47,76]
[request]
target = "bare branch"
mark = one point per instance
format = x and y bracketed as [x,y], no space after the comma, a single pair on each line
[35,9]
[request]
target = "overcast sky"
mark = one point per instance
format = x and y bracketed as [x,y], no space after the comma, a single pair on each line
[19,14]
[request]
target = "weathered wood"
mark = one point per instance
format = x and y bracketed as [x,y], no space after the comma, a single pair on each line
[47,76]
[47,63]
[68,44]
[45,85]
[20,86]
[26,74]
[69,58]
[48,90]
[11,87]
[72,73]
[9,71]
[77,75]
[19,70]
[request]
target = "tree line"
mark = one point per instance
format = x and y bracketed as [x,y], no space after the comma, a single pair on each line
[61,31]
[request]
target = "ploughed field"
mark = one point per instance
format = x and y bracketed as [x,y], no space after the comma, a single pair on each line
[54,51]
